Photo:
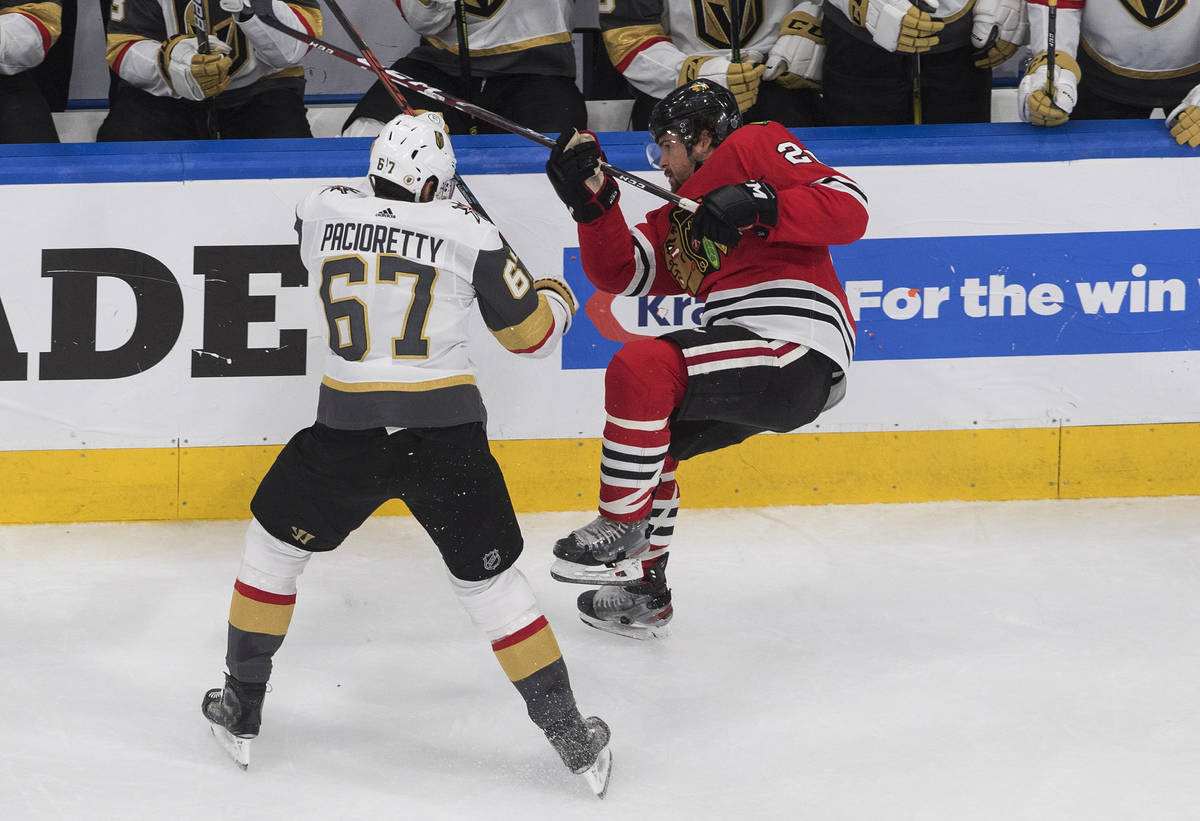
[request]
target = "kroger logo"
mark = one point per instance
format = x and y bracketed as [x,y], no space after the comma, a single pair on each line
[951,297]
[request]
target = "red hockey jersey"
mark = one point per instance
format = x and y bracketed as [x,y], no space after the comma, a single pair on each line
[782,286]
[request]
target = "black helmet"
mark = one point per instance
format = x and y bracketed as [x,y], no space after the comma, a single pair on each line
[693,107]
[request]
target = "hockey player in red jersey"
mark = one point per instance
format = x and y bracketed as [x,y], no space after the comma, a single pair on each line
[771,352]
[399,267]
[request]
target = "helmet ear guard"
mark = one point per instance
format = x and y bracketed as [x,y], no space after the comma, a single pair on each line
[699,105]
[409,151]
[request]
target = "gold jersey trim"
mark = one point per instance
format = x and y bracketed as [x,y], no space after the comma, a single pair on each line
[529,333]
[311,16]
[290,71]
[48,14]
[1136,74]
[116,43]
[506,48]
[622,42]
[406,387]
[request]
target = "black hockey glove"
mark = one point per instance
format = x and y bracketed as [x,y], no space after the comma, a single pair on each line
[574,171]
[727,211]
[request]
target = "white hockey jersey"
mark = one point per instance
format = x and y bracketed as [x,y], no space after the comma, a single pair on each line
[956,14]
[397,282]
[1139,53]
[137,30]
[649,40]
[27,30]
[503,36]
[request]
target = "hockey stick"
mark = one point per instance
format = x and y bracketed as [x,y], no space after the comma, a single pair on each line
[1051,33]
[474,111]
[373,62]
[735,31]
[915,70]
[200,24]
[464,50]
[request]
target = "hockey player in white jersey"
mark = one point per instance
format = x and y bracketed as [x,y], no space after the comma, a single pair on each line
[399,268]
[769,56]
[520,63]
[893,62]
[27,31]
[1115,60]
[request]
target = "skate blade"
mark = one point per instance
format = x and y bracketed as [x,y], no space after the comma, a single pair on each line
[598,775]
[237,748]
[634,631]
[626,571]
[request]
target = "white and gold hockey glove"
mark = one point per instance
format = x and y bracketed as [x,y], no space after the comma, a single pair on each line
[560,297]
[998,29]
[190,74]
[1033,96]
[796,58]
[1184,120]
[741,78]
[898,25]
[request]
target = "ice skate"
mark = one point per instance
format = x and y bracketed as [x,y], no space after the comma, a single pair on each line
[583,746]
[235,714]
[604,551]
[641,611]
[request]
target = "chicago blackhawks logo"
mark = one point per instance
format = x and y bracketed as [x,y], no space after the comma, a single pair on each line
[1153,13]
[688,259]
[715,25]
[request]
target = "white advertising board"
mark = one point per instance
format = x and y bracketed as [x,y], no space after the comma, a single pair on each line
[987,295]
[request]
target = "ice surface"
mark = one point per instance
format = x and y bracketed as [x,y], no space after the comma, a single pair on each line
[950,662]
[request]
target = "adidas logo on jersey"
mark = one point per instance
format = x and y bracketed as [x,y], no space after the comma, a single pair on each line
[387,212]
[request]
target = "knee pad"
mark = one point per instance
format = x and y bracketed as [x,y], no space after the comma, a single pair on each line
[270,564]
[499,606]
[653,366]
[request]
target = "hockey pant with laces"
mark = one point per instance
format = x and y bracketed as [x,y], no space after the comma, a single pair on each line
[692,392]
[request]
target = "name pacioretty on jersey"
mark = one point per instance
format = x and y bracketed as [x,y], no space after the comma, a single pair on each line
[370,238]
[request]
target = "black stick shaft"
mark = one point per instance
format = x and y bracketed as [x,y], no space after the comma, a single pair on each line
[200,26]
[1051,35]
[735,30]
[474,111]
[382,73]
[464,51]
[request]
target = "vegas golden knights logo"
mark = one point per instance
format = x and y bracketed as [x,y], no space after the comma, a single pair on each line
[714,22]
[1153,13]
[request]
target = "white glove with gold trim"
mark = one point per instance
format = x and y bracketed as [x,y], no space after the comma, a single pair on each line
[1184,120]
[741,78]
[998,29]
[560,297]
[795,59]
[898,25]
[192,75]
[1033,98]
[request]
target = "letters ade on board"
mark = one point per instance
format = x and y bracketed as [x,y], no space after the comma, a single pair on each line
[913,298]
[229,308]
